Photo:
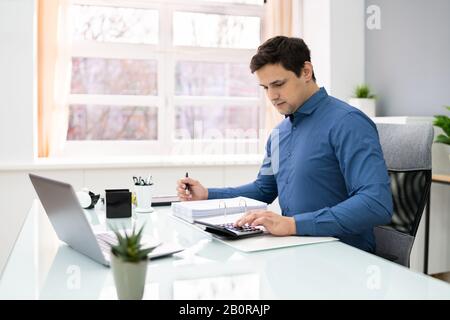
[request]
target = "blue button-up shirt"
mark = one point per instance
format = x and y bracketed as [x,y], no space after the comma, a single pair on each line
[326,166]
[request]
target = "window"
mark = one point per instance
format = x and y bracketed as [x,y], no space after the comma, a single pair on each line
[164,77]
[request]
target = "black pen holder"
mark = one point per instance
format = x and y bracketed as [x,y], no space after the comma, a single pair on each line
[118,203]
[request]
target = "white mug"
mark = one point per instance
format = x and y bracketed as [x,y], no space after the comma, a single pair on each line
[144,196]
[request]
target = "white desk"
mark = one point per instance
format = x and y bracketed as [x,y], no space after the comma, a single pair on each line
[41,267]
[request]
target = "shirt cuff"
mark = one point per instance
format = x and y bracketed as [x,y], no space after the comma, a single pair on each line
[215,193]
[305,224]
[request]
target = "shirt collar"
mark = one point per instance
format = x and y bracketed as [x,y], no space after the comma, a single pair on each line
[291,117]
[310,105]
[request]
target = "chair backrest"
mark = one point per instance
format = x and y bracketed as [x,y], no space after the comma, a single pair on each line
[407,152]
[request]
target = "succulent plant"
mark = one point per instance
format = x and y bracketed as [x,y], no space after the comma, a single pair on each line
[129,246]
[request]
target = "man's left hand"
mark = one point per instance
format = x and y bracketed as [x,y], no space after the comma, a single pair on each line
[274,223]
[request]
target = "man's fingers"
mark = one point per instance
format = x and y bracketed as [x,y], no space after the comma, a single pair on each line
[185,192]
[254,211]
[261,221]
[188,181]
[184,197]
[253,215]
[247,219]
[183,182]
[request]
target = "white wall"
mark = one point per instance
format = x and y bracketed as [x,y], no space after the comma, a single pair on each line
[347,46]
[408,63]
[334,31]
[316,33]
[17,72]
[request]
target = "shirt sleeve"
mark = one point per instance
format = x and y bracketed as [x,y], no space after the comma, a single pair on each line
[264,188]
[357,148]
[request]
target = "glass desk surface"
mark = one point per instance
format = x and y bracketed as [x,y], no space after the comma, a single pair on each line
[42,267]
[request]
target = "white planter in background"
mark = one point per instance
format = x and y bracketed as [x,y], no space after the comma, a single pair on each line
[448,151]
[368,106]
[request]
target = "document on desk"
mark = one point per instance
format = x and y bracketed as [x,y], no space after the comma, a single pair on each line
[194,210]
[268,242]
[264,242]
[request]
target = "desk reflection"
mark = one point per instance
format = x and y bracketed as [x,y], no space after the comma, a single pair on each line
[72,276]
[236,287]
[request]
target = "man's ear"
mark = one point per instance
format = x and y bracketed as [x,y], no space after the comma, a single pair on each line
[307,71]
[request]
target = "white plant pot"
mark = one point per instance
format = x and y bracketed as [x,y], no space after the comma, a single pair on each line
[448,152]
[129,278]
[368,106]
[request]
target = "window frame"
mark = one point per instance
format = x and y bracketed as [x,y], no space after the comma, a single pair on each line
[166,55]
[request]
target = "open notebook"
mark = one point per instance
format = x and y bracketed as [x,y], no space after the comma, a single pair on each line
[194,210]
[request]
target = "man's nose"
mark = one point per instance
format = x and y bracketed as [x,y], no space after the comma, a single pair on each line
[272,94]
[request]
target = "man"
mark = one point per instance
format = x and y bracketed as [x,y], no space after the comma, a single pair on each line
[323,161]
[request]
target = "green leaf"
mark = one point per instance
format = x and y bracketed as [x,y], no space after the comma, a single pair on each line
[129,247]
[442,122]
[363,92]
[442,139]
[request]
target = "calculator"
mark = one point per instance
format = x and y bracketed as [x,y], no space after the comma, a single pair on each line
[229,231]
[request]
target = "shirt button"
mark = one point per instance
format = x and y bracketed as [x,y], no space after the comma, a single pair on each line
[287,181]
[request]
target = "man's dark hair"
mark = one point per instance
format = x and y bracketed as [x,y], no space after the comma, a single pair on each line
[292,53]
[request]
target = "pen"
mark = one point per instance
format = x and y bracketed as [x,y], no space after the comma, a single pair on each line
[186,188]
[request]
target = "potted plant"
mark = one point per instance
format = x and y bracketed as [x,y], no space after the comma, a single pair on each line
[129,264]
[443,122]
[364,100]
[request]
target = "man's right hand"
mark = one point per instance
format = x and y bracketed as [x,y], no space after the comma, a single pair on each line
[195,190]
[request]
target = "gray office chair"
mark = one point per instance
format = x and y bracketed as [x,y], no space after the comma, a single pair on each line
[407,152]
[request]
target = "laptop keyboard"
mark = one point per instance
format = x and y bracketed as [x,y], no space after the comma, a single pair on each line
[105,240]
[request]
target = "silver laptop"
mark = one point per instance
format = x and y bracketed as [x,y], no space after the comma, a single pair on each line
[71,225]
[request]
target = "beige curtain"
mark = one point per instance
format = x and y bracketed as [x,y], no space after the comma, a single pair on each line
[282,18]
[53,69]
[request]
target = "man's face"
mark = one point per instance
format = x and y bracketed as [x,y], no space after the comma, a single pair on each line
[285,90]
